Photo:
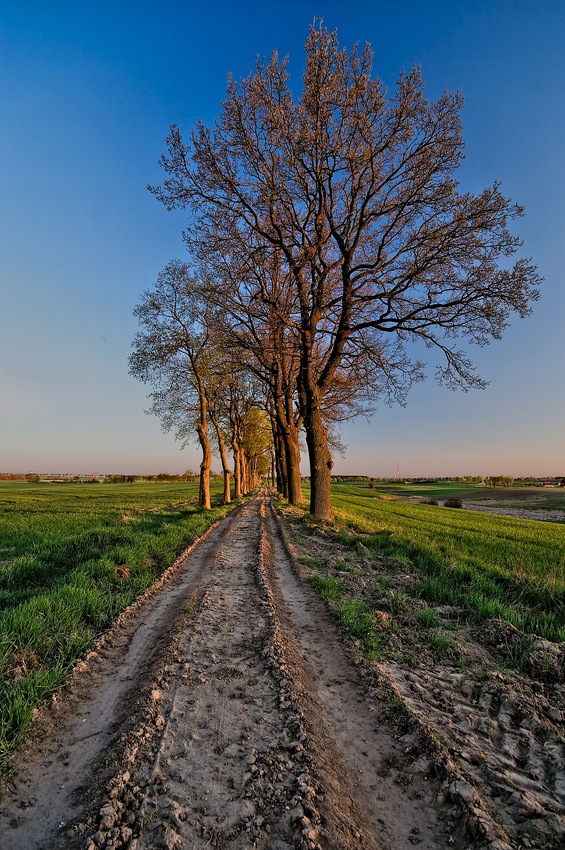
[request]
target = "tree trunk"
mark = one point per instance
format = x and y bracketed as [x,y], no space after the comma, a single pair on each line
[204,496]
[202,431]
[227,486]
[289,446]
[223,459]
[282,476]
[277,455]
[244,472]
[236,468]
[291,434]
[292,451]
[253,474]
[319,455]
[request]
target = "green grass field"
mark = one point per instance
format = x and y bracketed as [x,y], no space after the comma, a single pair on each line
[489,565]
[522,497]
[71,558]
[441,490]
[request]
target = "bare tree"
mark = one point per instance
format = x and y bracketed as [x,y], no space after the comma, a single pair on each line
[170,352]
[356,193]
[255,313]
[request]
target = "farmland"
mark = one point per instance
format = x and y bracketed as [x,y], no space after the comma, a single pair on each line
[523,497]
[71,558]
[453,617]
[491,566]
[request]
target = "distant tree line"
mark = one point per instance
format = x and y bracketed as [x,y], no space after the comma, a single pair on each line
[35,478]
[328,242]
[192,476]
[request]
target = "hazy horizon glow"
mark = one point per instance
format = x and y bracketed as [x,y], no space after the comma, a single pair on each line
[89,92]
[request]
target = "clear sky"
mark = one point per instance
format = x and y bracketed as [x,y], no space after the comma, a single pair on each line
[87,93]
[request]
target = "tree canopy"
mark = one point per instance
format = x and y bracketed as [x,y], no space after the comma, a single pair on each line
[332,221]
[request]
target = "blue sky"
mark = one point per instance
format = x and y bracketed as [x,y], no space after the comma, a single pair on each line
[87,93]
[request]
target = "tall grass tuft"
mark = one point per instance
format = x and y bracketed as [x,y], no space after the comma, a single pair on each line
[353,615]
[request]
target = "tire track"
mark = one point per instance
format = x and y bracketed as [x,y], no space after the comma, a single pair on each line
[507,749]
[374,797]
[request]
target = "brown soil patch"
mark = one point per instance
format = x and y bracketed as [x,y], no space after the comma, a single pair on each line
[537,495]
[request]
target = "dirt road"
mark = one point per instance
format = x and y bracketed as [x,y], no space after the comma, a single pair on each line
[222,711]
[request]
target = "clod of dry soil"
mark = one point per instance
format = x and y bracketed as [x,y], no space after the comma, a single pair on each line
[224,710]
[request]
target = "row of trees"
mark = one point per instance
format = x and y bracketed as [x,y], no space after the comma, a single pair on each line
[199,386]
[329,243]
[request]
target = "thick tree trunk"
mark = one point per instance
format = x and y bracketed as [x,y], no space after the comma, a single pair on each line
[204,496]
[223,459]
[319,455]
[292,451]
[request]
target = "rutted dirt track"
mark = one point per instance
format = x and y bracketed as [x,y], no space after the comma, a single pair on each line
[224,711]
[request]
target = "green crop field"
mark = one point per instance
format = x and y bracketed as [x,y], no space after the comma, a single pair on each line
[441,490]
[490,565]
[522,497]
[71,558]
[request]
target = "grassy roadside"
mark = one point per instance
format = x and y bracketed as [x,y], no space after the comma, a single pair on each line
[388,564]
[491,566]
[431,594]
[71,558]
[353,614]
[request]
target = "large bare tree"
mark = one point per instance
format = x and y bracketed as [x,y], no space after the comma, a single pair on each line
[355,190]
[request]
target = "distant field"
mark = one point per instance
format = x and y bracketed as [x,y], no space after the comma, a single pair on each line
[491,566]
[442,490]
[525,498]
[71,558]
[40,513]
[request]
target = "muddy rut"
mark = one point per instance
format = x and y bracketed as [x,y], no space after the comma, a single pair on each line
[222,711]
